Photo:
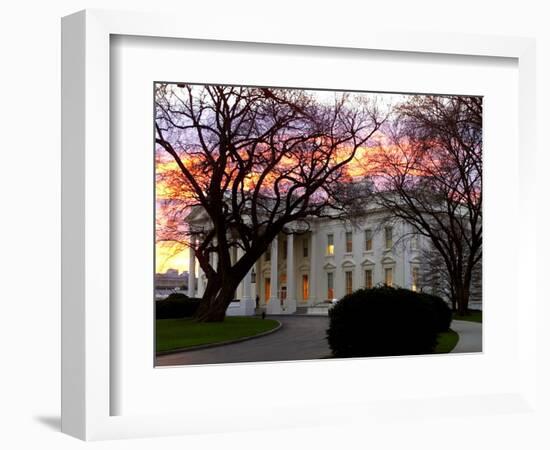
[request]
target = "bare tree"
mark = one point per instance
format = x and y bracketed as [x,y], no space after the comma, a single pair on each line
[430,175]
[434,277]
[254,160]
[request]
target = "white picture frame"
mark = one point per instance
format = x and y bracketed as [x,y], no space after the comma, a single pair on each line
[87,385]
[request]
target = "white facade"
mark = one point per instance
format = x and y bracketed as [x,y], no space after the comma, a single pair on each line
[311,269]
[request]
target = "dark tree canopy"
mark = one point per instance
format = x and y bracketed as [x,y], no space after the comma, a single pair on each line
[254,160]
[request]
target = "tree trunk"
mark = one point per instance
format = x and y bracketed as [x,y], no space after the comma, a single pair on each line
[220,290]
[463,300]
[214,303]
[208,297]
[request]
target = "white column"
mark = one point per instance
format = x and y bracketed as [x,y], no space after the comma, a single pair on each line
[258,285]
[290,305]
[234,257]
[191,279]
[215,261]
[247,286]
[200,283]
[274,305]
[248,304]
[312,269]
[239,291]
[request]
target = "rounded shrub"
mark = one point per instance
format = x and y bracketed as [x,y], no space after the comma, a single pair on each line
[176,306]
[443,313]
[381,321]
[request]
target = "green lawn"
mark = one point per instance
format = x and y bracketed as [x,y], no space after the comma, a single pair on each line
[473,315]
[446,342]
[173,334]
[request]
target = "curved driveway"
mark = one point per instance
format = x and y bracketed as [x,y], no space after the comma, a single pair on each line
[301,337]
[469,334]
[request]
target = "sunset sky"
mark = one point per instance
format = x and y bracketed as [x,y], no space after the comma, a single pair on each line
[174,256]
[167,258]
[170,256]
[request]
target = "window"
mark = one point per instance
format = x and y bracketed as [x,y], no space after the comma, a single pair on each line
[305,248]
[388,277]
[305,287]
[415,279]
[330,244]
[253,276]
[330,285]
[388,232]
[349,242]
[368,240]
[349,282]
[267,254]
[267,289]
[285,249]
[368,278]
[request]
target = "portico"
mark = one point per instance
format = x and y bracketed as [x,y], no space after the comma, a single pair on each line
[283,279]
[282,285]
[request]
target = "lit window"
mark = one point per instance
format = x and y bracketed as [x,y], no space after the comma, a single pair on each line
[267,289]
[388,277]
[349,282]
[388,231]
[415,279]
[349,242]
[368,240]
[330,244]
[330,285]
[368,279]
[305,287]
[305,248]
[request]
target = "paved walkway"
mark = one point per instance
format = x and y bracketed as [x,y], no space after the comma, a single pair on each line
[301,337]
[469,333]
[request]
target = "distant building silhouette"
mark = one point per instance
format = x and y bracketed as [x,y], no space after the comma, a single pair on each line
[170,281]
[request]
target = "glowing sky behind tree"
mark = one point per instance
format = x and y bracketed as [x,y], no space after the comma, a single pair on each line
[173,255]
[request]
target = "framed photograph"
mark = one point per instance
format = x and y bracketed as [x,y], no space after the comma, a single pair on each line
[348,222]
[297,218]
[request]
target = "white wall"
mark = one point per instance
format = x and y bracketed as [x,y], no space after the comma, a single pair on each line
[398,258]
[29,183]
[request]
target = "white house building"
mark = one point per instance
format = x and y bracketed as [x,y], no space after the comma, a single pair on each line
[307,271]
